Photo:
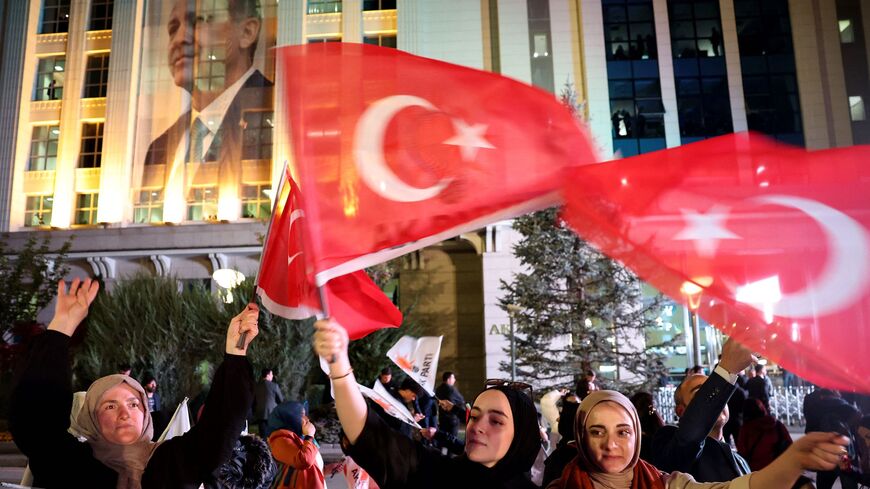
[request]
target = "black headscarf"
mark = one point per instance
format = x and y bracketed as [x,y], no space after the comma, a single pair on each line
[527,438]
[566,420]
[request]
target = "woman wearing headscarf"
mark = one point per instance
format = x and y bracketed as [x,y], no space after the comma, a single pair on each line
[118,452]
[608,448]
[502,436]
[291,438]
[565,450]
[762,437]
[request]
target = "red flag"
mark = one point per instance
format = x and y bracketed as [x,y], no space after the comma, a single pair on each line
[396,152]
[286,289]
[768,242]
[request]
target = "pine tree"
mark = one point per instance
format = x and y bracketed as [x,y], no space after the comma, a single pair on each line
[574,309]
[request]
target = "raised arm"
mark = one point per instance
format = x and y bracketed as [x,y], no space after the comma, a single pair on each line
[330,342]
[813,451]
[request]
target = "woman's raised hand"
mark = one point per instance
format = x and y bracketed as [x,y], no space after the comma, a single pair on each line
[244,322]
[818,450]
[330,342]
[72,305]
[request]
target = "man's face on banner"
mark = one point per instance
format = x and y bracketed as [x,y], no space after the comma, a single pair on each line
[208,48]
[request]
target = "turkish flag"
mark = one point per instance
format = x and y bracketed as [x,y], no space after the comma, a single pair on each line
[768,242]
[396,152]
[287,289]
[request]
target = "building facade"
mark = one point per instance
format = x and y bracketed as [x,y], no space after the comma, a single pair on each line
[89,87]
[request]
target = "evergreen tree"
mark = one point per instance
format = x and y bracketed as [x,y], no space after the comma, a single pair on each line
[574,309]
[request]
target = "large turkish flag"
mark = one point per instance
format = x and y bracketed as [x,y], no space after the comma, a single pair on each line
[769,242]
[395,152]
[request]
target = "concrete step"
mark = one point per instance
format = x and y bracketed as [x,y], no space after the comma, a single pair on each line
[11,474]
[8,447]
[12,460]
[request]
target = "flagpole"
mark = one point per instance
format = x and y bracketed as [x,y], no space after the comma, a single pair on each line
[244,336]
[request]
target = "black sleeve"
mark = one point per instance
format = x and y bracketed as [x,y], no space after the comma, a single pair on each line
[392,459]
[678,449]
[191,457]
[39,417]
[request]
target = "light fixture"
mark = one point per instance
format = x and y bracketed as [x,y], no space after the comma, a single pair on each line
[228,278]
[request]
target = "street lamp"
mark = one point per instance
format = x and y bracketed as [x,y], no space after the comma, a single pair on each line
[513,309]
[692,290]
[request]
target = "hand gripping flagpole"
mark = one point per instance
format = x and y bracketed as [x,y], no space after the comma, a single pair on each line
[244,336]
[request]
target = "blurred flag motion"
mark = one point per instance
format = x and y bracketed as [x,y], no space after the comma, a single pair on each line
[768,242]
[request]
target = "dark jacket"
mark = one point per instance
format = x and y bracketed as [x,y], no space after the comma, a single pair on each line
[688,449]
[395,461]
[267,395]
[759,388]
[450,421]
[39,418]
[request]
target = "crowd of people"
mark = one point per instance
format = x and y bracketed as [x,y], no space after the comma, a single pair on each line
[596,438]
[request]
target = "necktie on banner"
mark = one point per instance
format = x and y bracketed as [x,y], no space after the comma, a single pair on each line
[768,242]
[396,152]
[390,404]
[286,288]
[418,357]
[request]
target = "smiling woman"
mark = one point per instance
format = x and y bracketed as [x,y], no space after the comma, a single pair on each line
[502,433]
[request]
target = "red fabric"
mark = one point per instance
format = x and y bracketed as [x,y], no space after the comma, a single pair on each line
[298,457]
[762,440]
[738,210]
[287,289]
[396,152]
[646,476]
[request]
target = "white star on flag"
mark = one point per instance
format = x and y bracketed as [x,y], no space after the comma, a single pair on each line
[469,137]
[705,229]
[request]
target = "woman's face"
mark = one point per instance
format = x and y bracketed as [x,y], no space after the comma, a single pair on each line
[610,438]
[490,428]
[121,415]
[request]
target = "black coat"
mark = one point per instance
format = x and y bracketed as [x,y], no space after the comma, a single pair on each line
[395,461]
[39,418]
[688,449]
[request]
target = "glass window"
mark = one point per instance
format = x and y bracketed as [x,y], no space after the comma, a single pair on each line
[91,153]
[202,204]
[769,75]
[101,15]
[379,4]
[384,40]
[43,148]
[55,17]
[856,108]
[37,210]
[324,6]
[148,206]
[86,208]
[255,201]
[315,40]
[257,135]
[96,76]
[49,78]
[847,31]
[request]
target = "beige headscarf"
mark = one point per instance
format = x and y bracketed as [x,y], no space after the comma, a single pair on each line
[128,461]
[599,478]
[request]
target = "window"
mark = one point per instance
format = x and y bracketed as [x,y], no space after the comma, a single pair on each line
[324,6]
[148,206]
[315,40]
[384,40]
[703,102]
[49,78]
[257,135]
[202,204]
[55,17]
[768,67]
[255,201]
[379,4]
[847,31]
[91,153]
[43,148]
[209,74]
[101,15]
[856,108]
[96,76]
[633,77]
[86,208]
[37,210]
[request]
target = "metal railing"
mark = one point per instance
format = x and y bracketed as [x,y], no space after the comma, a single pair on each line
[786,404]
